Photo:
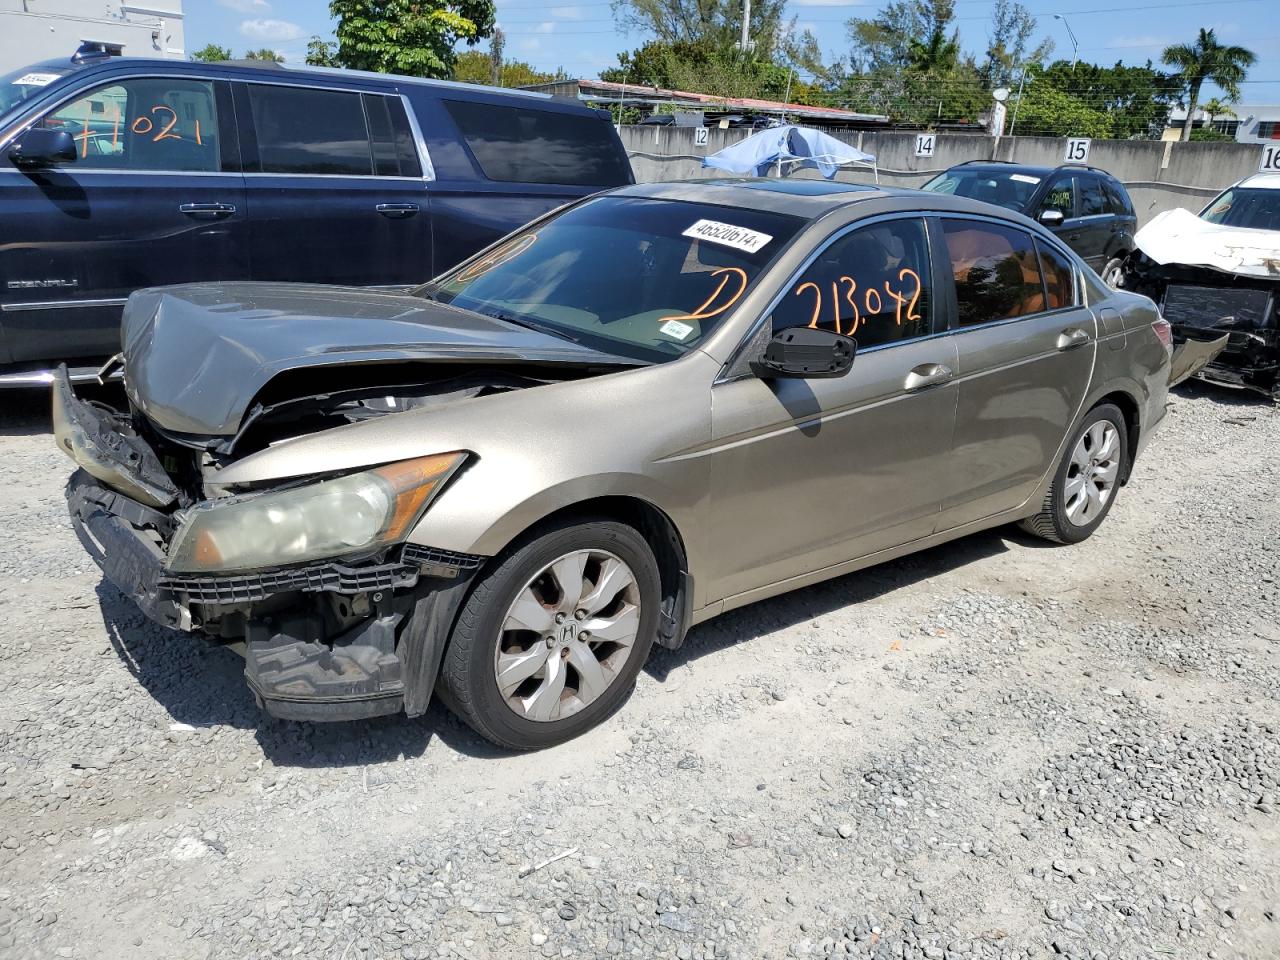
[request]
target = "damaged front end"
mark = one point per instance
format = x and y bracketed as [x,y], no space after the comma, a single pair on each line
[313,577]
[329,638]
[1219,287]
[1227,326]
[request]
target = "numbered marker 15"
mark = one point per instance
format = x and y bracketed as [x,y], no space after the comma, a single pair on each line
[1078,150]
[1270,160]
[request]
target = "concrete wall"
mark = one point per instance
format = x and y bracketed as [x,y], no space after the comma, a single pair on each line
[1159,176]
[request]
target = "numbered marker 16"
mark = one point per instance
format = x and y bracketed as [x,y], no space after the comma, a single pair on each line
[1270,160]
[1078,150]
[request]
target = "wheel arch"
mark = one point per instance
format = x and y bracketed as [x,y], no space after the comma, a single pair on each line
[1131,409]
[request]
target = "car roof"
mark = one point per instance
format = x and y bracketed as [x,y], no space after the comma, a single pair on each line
[1039,170]
[804,198]
[1261,181]
[267,70]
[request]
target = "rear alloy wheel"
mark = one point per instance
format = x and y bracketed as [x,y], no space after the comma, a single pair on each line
[1085,484]
[550,641]
[1113,272]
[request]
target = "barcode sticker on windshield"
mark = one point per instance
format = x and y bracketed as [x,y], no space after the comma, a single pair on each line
[727,235]
[36,79]
[676,329]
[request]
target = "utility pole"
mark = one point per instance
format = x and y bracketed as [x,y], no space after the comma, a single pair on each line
[745,42]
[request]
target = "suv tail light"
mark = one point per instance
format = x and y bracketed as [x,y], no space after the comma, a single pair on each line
[1164,332]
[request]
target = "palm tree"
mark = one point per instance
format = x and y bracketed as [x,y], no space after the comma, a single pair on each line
[1217,107]
[1207,59]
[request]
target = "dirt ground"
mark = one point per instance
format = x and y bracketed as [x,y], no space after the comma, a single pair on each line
[994,748]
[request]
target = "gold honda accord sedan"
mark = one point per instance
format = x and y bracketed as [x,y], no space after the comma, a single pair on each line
[645,409]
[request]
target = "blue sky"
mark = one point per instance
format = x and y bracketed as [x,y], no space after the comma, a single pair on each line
[583,38]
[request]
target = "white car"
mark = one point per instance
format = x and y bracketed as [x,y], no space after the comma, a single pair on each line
[1216,275]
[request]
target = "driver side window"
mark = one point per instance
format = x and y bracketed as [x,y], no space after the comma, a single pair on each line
[872,284]
[150,123]
[1061,197]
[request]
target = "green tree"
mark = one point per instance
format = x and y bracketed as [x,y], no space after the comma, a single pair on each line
[710,24]
[211,53]
[1009,47]
[1207,59]
[892,39]
[264,54]
[1048,111]
[321,53]
[411,37]
[474,66]
[1136,99]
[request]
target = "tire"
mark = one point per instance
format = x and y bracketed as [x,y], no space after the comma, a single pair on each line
[1113,273]
[565,696]
[1064,517]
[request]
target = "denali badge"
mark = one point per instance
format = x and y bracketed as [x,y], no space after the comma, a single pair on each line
[40,284]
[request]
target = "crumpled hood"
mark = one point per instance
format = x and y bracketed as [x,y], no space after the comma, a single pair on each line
[195,356]
[1179,236]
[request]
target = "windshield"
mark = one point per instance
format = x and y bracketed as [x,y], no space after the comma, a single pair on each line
[645,279]
[1004,189]
[1245,207]
[26,82]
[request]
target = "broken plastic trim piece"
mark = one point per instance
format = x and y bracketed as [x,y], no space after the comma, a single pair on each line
[1192,356]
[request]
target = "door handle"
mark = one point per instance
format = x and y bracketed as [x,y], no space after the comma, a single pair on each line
[1073,236]
[207,211]
[397,211]
[1072,337]
[927,375]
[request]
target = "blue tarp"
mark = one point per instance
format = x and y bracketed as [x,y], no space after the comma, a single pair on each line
[791,146]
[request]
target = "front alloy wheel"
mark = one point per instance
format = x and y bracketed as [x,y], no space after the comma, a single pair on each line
[551,638]
[567,635]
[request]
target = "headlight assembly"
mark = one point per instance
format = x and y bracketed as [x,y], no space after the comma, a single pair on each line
[329,518]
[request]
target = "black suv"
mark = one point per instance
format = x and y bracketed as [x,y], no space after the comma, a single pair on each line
[1087,207]
[118,173]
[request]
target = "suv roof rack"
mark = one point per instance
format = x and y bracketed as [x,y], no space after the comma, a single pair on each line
[261,64]
[1011,162]
[91,50]
[1085,166]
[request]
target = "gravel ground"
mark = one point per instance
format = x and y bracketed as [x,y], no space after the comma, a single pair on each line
[991,749]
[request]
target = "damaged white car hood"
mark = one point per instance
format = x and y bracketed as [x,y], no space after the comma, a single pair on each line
[1179,236]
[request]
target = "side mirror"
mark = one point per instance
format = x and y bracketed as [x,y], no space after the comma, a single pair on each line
[805,352]
[1052,218]
[41,147]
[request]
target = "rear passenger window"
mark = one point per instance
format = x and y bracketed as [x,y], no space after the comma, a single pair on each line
[152,123]
[1059,278]
[527,145]
[996,271]
[1092,200]
[310,131]
[1117,201]
[872,284]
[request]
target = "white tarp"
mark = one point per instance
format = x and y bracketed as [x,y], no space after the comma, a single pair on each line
[1179,236]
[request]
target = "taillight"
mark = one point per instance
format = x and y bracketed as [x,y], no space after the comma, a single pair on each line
[1164,332]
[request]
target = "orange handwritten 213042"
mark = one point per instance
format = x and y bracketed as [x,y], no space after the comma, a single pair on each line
[844,290]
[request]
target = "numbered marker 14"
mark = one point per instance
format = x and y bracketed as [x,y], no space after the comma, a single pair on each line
[925,144]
